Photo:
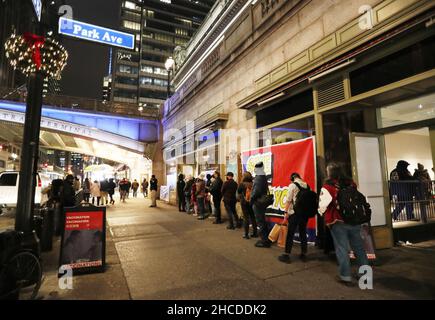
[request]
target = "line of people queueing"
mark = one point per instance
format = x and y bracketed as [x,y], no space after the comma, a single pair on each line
[194,196]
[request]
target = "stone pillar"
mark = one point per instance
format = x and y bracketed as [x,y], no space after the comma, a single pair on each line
[158,162]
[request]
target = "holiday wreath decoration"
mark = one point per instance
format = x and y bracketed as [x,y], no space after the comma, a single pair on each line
[30,53]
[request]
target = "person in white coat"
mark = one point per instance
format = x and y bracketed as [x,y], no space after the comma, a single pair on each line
[95,192]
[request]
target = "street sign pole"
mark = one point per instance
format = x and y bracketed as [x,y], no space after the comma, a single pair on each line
[29,155]
[30,147]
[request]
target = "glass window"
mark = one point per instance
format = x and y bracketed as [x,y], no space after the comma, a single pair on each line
[131,25]
[147,69]
[409,111]
[8,179]
[127,69]
[160,82]
[129,5]
[291,131]
[163,37]
[161,71]
[146,80]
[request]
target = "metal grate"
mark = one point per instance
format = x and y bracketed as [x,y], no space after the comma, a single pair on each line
[331,92]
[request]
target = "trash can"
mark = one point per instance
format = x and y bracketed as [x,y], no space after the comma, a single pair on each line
[58,219]
[47,229]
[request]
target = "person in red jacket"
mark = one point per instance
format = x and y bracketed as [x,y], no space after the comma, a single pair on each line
[342,233]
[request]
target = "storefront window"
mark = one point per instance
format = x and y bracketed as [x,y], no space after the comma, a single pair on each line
[414,110]
[336,129]
[292,131]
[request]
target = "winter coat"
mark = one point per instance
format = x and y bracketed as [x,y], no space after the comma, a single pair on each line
[153,184]
[111,188]
[216,188]
[188,188]
[229,190]
[328,201]
[68,194]
[180,188]
[259,189]
[200,188]
[293,191]
[95,190]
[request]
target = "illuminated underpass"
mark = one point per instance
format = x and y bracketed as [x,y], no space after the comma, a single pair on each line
[126,140]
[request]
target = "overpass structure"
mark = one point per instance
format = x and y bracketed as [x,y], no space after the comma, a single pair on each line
[129,140]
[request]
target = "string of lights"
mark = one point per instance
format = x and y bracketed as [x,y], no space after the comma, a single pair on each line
[30,54]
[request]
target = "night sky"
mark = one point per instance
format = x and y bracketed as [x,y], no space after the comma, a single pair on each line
[88,62]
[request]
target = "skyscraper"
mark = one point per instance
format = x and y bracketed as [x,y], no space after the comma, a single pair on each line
[166,24]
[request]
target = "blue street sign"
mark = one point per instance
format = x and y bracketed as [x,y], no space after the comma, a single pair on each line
[86,31]
[37,4]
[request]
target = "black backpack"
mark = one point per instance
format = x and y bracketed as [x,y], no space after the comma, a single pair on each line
[353,206]
[307,203]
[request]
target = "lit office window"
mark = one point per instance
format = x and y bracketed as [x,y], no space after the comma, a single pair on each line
[160,82]
[146,80]
[146,69]
[131,25]
[180,41]
[160,71]
[181,32]
[163,37]
[129,5]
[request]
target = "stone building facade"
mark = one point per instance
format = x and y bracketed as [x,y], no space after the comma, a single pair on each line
[322,68]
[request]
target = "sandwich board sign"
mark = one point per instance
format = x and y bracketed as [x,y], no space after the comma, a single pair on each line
[93,33]
[83,244]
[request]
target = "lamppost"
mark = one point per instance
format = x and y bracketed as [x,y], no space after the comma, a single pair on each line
[169,64]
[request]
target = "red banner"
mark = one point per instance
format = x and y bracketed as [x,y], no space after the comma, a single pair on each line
[92,220]
[280,161]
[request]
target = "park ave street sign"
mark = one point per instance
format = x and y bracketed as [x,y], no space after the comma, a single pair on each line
[37,4]
[86,31]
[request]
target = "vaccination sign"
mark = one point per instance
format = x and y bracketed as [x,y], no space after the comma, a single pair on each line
[84,239]
[280,161]
[89,32]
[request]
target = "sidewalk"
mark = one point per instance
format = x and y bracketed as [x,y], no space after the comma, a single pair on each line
[160,253]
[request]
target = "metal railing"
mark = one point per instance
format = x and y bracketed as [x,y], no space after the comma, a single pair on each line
[84,104]
[412,200]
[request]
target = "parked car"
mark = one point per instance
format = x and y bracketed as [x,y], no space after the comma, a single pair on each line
[9,181]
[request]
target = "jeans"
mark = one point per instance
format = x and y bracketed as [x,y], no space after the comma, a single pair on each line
[297,221]
[189,206]
[230,207]
[260,216]
[217,208]
[201,206]
[343,235]
[248,214]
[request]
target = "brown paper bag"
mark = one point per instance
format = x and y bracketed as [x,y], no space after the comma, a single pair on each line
[274,233]
[282,236]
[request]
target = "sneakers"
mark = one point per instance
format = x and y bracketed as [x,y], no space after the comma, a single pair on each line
[284,258]
[246,236]
[201,218]
[261,244]
[343,282]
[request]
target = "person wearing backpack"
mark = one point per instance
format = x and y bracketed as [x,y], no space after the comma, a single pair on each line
[340,216]
[244,194]
[301,204]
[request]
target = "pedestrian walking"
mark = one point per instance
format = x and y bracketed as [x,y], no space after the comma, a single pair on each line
[244,191]
[145,188]
[343,234]
[296,219]
[259,191]
[200,196]
[123,189]
[135,187]
[68,192]
[111,190]
[128,188]
[95,192]
[86,190]
[229,189]
[216,192]
[207,194]
[104,192]
[153,189]
[193,198]
[181,184]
